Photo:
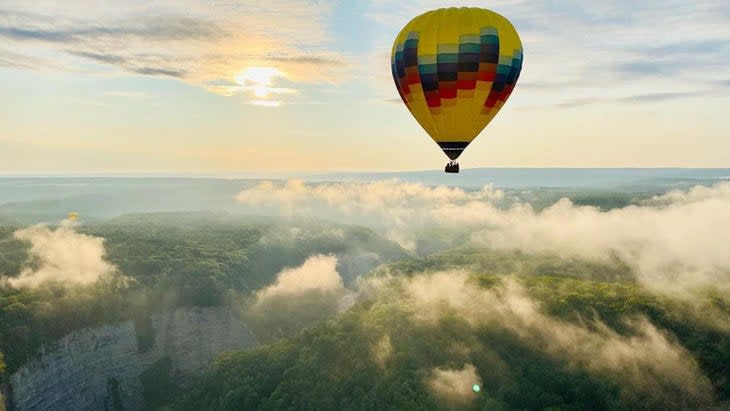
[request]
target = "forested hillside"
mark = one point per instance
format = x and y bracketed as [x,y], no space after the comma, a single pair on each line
[453,300]
[534,332]
[168,260]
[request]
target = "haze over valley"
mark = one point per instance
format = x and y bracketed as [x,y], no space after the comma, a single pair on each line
[367,291]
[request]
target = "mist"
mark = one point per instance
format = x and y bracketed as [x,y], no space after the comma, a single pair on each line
[647,363]
[395,294]
[395,207]
[62,256]
[299,297]
[675,243]
[454,386]
[317,274]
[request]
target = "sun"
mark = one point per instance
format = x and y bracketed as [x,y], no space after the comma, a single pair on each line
[258,77]
[258,82]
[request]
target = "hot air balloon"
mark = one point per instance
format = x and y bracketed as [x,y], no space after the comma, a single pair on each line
[454,69]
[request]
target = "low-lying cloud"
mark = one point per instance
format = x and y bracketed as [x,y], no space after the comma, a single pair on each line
[395,206]
[455,385]
[61,256]
[299,297]
[674,243]
[647,363]
[318,273]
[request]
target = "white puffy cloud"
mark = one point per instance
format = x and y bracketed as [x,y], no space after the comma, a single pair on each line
[676,247]
[61,256]
[300,296]
[318,273]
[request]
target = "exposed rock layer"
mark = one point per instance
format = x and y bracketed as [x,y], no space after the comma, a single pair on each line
[99,368]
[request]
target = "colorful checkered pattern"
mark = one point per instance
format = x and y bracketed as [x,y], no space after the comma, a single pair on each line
[454,73]
[457,67]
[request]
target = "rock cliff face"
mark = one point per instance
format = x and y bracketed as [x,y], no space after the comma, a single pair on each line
[103,368]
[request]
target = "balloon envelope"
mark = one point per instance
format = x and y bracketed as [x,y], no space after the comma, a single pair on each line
[454,69]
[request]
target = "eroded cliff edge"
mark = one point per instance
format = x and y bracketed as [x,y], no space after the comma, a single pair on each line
[108,367]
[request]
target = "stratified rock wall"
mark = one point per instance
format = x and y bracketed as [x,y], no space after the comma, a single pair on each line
[99,368]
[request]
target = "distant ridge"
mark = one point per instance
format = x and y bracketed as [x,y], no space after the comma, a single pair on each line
[521,178]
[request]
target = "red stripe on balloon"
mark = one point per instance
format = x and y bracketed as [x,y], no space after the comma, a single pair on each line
[487,75]
[433,101]
[448,92]
[466,84]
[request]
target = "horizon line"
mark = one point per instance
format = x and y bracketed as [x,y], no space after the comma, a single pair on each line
[258,174]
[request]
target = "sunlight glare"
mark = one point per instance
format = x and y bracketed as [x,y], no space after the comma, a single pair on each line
[259,76]
[258,80]
[261,91]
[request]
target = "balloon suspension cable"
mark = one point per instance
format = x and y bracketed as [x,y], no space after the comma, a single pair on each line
[452,167]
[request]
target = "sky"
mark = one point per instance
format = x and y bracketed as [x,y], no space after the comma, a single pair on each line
[282,85]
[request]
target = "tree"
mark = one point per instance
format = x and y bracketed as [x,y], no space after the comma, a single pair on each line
[2,367]
[2,381]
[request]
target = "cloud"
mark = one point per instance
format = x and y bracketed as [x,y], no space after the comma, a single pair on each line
[200,42]
[651,97]
[156,71]
[640,98]
[315,60]
[300,297]
[61,256]
[382,203]
[146,64]
[10,59]
[190,40]
[318,273]
[355,199]
[454,385]
[102,58]
[647,68]
[133,64]
[676,247]
[692,48]
[647,362]
[166,28]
